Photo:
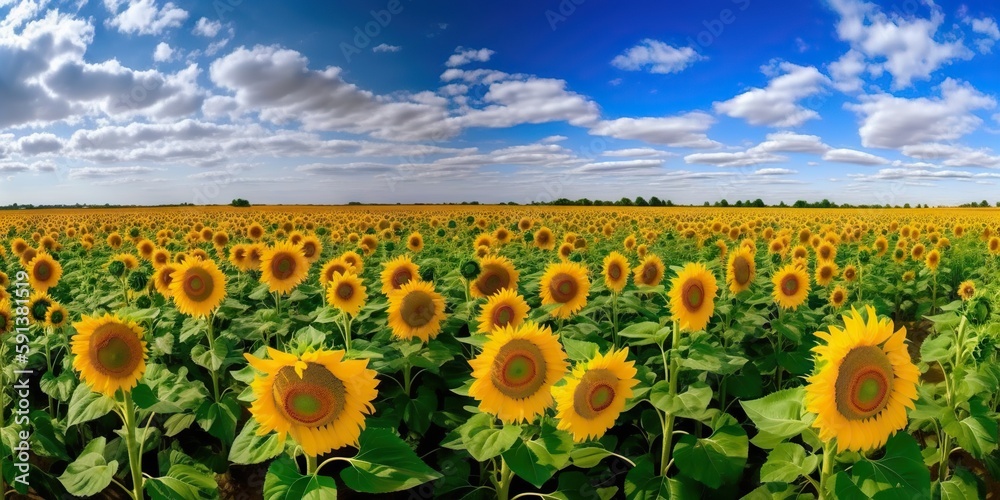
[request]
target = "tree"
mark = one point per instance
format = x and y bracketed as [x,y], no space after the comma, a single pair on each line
[984,203]
[240,202]
[759,203]
[625,202]
[723,203]
[641,202]
[655,202]
[906,205]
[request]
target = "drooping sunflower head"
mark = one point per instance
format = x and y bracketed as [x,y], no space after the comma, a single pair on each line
[283,267]
[319,399]
[197,287]
[416,310]
[740,270]
[595,394]
[56,316]
[863,384]
[649,272]
[109,353]
[347,293]
[615,272]
[692,297]
[567,285]
[495,274]
[967,289]
[43,272]
[504,308]
[909,276]
[791,286]
[515,372]
[398,272]
[838,296]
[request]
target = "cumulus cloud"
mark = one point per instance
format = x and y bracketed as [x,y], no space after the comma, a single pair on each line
[39,143]
[686,131]
[952,155]
[536,100]
[777,105]
[207,28]
[854,156]
[987,27]
[463,56]
[384,47]
[656,57]
[144,17]
[894,122]
[163,52]
[737,159]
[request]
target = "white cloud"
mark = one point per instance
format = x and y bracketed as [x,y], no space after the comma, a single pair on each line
[846,71]
[854,156]
[536,100]
[893,122]
[906,47]
[774,171]
[144,17]
[656,57]
[987,27]
[553,139]
[39,143]
[777,104]
[620,167]
[737,159]
[953,156]
[790,142]
[384,47]
[687,131]
[638,153]
[163,52]
[207,28]
[464,56]
[101,172]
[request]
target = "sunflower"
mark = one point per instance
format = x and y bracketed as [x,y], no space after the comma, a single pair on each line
[347,293]
[917,251]
[615,272]
[56,316]
[311,248]
[283,267]
[505,308]
[415,310]
[544,239]
[398,272]
[966,289]
[38,306]
[109,353]
[6,317]
[692,296]
[649,272]
[791,286]
[565,250]
[864,383]
[826,251]
[908,276]
[595,394]
[161,256]
[197,287]
[565,284]
[337,265]
[318,398]
[515,372]
[162,277]
[351,257]
[850,273]
[933,260]
[825,272]
[496,273]
[415,242]
[740,270]
[43,272]
[838,296]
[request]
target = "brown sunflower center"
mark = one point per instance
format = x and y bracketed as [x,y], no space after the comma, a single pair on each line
[838,297]
[198,284]
[649,274]
[790,285]
[563,288]
[401,277]
[519,369]
[693,295]
[43,271]
[503,315]
[309,249]
[314,400]
[492,280]
[826,272]
[824,252]
[115,350]
[417,309]
[864,383]
[345,291]
[741,270]
[595,393]
[850,273]
[614,271]
[282,266]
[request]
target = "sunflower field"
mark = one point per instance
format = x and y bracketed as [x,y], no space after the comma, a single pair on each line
[499,352]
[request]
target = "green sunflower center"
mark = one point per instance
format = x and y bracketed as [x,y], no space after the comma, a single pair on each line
[115,350]
[282,266]
[790,285]
[503,314]
[39,308]
[401,277]
[563,288]
[519,369]
[693,295]
[864,383]
[417,309]
[614,270]
[198,284]
[493,279]
[314,400]
[57,318]
[595,393]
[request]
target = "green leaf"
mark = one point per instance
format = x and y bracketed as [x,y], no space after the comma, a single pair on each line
[385,463]
[976,433]
[716,459]
[960,486]
[284,482]
[59,388]
[183,482]
[691,403]
[639,334]
[89,474]
[249,448]
[786,463]
[86,405]
[643,483]
[552,446]
[777,416]
[588,457]
[483,441]
[177,423]
[938,348]
[901,470]
[579,350]
[219,419]
[145,399]
[46,437]
[523,462]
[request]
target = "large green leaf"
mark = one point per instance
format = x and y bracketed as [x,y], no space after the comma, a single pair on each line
[777,416]
[86,405]
[89,474]
[691,403]
[786,463]
[183,482]
[716,459]
[523,462]
[249,448]
[901,471]
[284,482]
[385,463]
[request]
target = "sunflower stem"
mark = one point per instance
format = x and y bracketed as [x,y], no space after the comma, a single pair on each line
[406,378]
[778,369]
[134,447]
[506,476]
[347,331]
[673,371]
[824,474]
[48,364]
[211,347]
[312,465]
[614,317]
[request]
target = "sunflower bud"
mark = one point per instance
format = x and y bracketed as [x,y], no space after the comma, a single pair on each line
[116,268]
[138,280]
[452,224]
[144,302]
[427,274]
[529,237]
[979,310]
[441,232]
[470,269]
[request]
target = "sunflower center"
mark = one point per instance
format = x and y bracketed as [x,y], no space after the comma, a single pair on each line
[43,271]
[595,393]
[826,273]
[493,280]
[614,271]
[790,285]
[115,350]
[401,277]
[864,383]
[693,294]
[345,291]
[198,284]
[39,309]
[314,400]
[563,288]
[649,274]
[741,270]
[282,266]
[417,309]
[503,315]
[309,249]
[57,317]
[519,369]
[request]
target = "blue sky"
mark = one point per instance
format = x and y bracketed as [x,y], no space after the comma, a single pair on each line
[152,102]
